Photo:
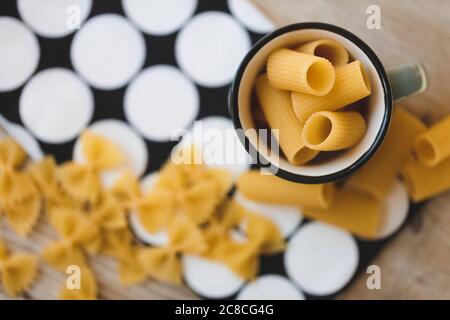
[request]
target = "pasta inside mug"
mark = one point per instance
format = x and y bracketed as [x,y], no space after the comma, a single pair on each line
[372,107]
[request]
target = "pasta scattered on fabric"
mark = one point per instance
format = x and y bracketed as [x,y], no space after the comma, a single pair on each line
[188,200]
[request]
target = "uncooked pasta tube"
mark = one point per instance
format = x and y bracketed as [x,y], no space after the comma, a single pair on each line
[331,131]
[277,109]
[352,84]
[425,182]
[433,146]
[329,49]
[295,71]
[272,189]
[378,174]
[352,210]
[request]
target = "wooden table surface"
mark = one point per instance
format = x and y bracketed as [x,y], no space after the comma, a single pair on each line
[416,264]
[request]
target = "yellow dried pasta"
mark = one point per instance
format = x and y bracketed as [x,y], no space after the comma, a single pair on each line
[119,244]
[377,175]
[332,131]
[424,182]
[81,181]
[433,147]
[352,84]
[15,186]
[107,213]
[304,73]
[163,263]
[242,257]
[329,49]
[17,271]
[352,210]
[77,234]
[183,189]
[44,175]
[272,189]
[278,111]
[23,216]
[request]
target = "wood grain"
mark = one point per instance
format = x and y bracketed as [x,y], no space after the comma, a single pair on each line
[416,264]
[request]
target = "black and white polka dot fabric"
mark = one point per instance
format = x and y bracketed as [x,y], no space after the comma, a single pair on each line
[138,70]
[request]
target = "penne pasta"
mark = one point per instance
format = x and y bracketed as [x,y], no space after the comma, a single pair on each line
[425,182]
[331,131]
[352,84]
[433,146]
[272,189]
[331,50]
[295,71]
[352,210]
[277,109]
[377,176]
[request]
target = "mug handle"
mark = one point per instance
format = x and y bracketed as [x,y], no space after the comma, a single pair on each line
[407,80]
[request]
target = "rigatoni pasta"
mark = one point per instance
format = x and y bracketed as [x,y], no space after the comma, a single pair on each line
[352,210]
[424,182]
[331,50]
[277,109]
[272,189]
[433,146]
[352,84]
[331,131]
[377,176]
[295,71]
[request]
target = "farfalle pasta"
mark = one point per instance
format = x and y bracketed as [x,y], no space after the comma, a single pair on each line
[15,185]
[17,270]
[44,175]
[107,213]
[78,234]
[163,263]
[260,235]
[119,244]
[20,201]
[22,216]
[82,181]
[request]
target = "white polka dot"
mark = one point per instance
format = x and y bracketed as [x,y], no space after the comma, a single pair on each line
[27,141]
[158,17]
[321,259]
[54,18]
[218,144]
[108,51]
[395,211]
[56,105]
[161,101]
[287,218]
[128,141]
[208,278]
[210,48]
[250,16]
[270,287]
[19,53]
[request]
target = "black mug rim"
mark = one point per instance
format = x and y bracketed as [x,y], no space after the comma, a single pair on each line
[335,176]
